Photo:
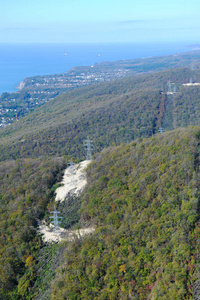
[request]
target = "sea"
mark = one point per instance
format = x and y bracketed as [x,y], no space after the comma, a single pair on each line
[18,61]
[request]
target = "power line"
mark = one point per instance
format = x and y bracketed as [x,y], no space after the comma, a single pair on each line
[56,219]
[89,147]
[161,130]
[71,170]
[169,87]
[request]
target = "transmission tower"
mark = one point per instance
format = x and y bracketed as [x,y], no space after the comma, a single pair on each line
[169,87]
[88,144]
[174,88]
[161,130]
[56,219]
[71,170]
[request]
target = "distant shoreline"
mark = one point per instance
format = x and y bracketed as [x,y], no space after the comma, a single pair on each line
[37,60]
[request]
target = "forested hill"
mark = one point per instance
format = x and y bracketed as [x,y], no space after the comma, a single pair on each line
[144,200]
[110,113]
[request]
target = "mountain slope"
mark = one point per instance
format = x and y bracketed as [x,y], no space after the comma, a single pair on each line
[26,191]
[144,199]
[110,113]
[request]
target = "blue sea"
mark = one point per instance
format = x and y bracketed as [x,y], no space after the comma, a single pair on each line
[20,61]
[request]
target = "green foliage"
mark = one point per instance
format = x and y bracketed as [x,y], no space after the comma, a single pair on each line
[144,199]
[48,258]
[110,113]
[69,210]
[25,194]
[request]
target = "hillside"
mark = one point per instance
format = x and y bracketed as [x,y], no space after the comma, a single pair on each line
[142,195]
[110,113]
[38,90]
[26,192]
[144,199]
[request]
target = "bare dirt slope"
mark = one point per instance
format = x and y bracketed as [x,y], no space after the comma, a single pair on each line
[74,181]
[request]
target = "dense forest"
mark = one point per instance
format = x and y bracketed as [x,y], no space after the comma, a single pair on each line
[26,191]
[142,195]
[144,200]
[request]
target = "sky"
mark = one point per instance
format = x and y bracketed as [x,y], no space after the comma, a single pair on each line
[99,21]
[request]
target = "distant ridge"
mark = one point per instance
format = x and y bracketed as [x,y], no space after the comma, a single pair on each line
[38,90]
[111,113]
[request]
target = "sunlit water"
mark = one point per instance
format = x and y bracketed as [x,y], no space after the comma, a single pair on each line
[20,61]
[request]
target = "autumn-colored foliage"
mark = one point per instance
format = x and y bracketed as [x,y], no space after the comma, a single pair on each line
[144,199]
[25,193]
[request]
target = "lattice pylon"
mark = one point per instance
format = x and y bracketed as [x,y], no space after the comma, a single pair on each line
[89,147]
[56,219]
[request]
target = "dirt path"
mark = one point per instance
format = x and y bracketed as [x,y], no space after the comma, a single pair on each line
[73,183]
[62,234]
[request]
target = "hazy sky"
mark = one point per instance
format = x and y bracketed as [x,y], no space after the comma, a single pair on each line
[64,21]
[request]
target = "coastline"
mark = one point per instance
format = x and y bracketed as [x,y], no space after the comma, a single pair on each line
[50,59]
